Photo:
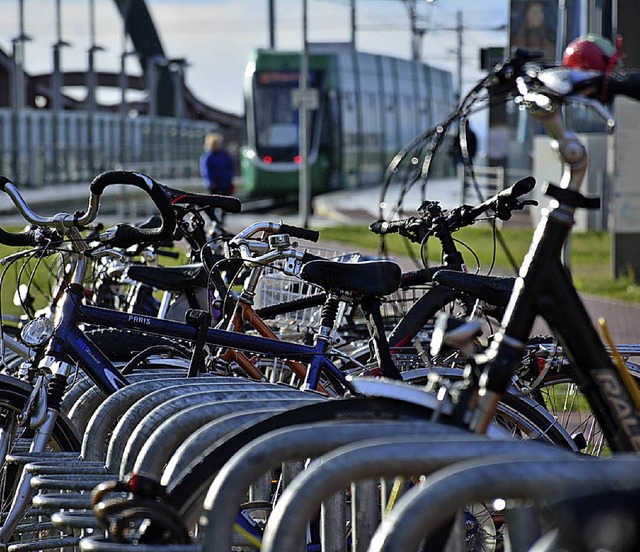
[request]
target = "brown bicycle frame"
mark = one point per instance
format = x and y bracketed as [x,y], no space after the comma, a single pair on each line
[244,314]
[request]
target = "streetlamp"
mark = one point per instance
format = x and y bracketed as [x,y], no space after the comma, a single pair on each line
[56,77]
[177,68]
[417,31]
[18,49]
[124,107]
[124,84]
[93,48]
[18,92]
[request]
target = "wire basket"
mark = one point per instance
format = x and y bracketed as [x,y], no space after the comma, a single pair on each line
[277,288]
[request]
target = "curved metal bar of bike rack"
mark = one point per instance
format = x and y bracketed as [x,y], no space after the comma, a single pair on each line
[132,436]
[210,433]
[296,443]
[147,460]
[153,427]
[188,418]
[100,544]
[127,402]
[426,506]
[374,459]
[84,407]
[113,409]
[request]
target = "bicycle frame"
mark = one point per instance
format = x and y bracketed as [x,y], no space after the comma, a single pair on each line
[544,288]
[72,341]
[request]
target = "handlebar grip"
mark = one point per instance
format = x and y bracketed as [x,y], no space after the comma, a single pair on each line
[520,188]
[626,85]
[18,239]
[126,235]
[302,233]
[382,227]
[30,238]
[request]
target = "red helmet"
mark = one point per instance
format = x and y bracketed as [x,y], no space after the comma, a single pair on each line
[592,52]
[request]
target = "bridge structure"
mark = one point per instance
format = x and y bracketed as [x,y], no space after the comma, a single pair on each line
[50,137]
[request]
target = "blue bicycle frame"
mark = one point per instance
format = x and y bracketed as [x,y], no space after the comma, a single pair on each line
[70,340]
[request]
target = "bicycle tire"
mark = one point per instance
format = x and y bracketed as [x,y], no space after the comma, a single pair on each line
[521,415]
[14,395]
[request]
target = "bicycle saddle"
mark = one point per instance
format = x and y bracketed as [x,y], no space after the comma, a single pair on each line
[368,278]
[495,290]
[169,278]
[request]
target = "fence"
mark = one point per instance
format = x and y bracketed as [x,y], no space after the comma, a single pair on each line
[42,148]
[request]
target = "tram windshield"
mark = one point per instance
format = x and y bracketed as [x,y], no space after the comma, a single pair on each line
[276,118]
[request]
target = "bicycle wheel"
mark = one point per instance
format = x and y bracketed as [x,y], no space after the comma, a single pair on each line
[15,439]
[520,415]
[561,396]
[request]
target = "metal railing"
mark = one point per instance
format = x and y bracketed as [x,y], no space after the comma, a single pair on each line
[41,148]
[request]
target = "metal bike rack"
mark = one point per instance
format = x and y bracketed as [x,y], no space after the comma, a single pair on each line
[89,402]
[375,459]
[294,443]
[146,462]
[425,507]
[186,419]
[100,544]
[135,401]
[136,429]
[205,436]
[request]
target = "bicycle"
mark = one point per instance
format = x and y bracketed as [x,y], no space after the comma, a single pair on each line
[544,286]
[35,404]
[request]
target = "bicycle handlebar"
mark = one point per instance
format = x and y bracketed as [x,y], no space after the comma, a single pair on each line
[122,235]
[503,203]
[125,235]
[626,85]
[298,232]
[275,228]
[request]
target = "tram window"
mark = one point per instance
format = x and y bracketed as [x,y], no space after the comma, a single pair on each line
[276,119]
[281,135]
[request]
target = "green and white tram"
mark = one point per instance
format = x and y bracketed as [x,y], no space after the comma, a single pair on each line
[369,106]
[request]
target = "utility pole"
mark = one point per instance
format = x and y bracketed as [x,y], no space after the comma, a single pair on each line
[353,24]
[304,195]
[459,31]
[417,33]
[272,24]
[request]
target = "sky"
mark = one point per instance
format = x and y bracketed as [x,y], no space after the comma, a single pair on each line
[217,36]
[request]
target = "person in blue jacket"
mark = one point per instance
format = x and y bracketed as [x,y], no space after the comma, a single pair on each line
[216,166]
